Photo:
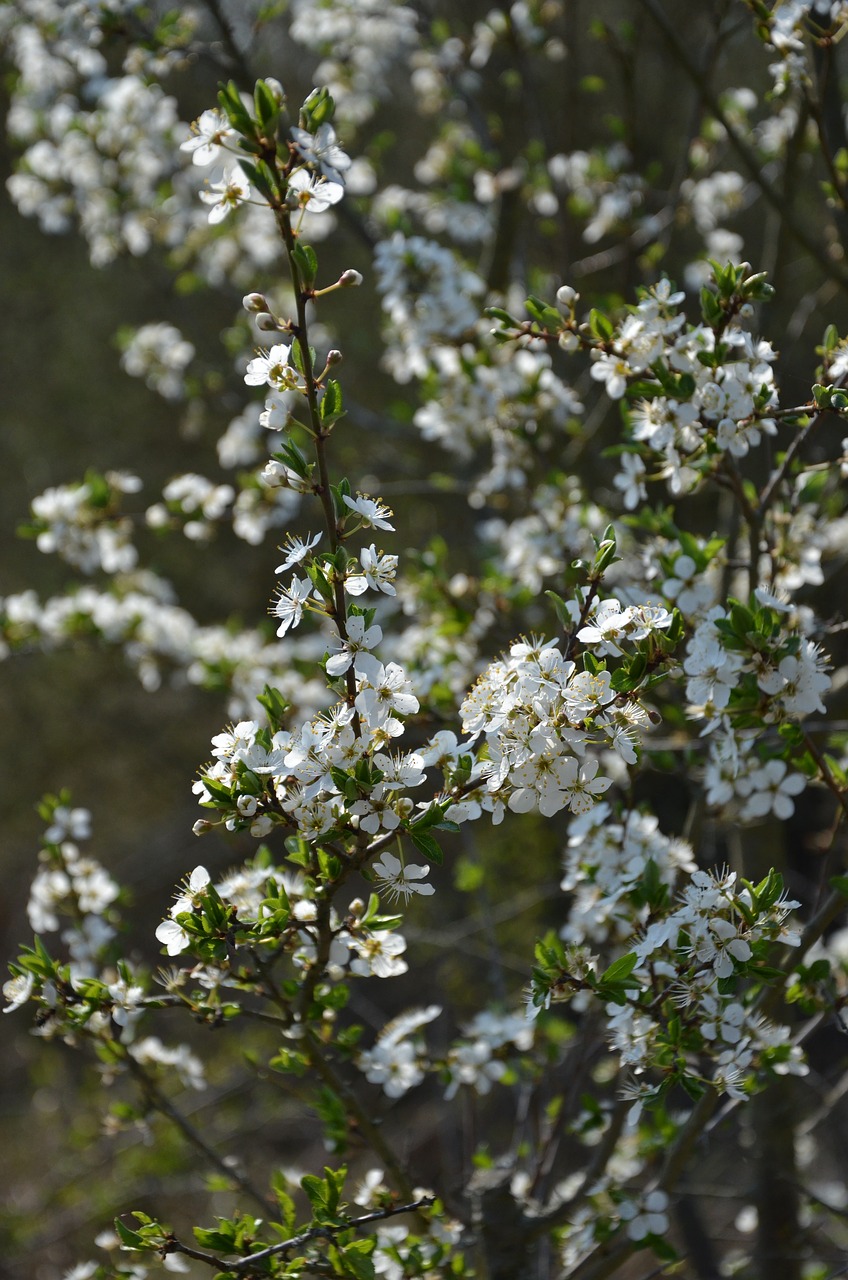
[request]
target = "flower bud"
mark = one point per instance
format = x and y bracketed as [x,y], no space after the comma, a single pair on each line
[334,357]
[350,279]
[267,323]
[568,341]
[255,302]
[567,296]
[201,827]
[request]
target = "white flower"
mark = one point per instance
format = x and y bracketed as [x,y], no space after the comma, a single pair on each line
[289,604]
[371,512]
[323,150]
[296,550]
[613,371]
[771,789]
[209,135]
[649,1218]
[151,1051]
[270,368]
[399,880]
[720,946]
[629,480]
[169,932]
[378,570]
[359,638]
[383,691]
[378,954]
[312,193]
[17,991]
[226,195]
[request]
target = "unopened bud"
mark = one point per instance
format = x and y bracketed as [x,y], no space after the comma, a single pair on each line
[357,907]
[567,296]
[568,341]
[350,279]
[278,93]
[267,323]
[201,827]
[255,302]
[334,357]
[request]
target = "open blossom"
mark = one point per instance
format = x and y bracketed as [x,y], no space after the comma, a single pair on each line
[270,368]
[322,149]
[288,606]
[720,945]
[399,880]
[359,639]
[799,681]
[17,991]
[383,691]
[169,932]
[209,134]
[378,954]
[629,480]
[646,1218]
[296,549]
[152,1052]
[224,196]
[370,511]
[770,790]
[310,192]
[378,572]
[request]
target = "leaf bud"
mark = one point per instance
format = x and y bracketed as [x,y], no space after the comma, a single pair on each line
[350,279]
[277,90]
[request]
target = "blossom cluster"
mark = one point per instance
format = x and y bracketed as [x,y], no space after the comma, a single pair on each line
[398,707]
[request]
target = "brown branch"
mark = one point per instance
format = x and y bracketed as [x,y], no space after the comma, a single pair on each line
[159,1102]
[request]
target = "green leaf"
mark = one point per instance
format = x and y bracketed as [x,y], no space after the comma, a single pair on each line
[331,402]
[356,1259]
[317,1192]
[129,1238]
[306,261]
[234,109]
[547,316]
[560,608]
[427,845]
[210,1238]
[600,325]
[619,969]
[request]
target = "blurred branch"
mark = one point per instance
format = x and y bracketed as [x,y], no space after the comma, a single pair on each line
[833,269]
